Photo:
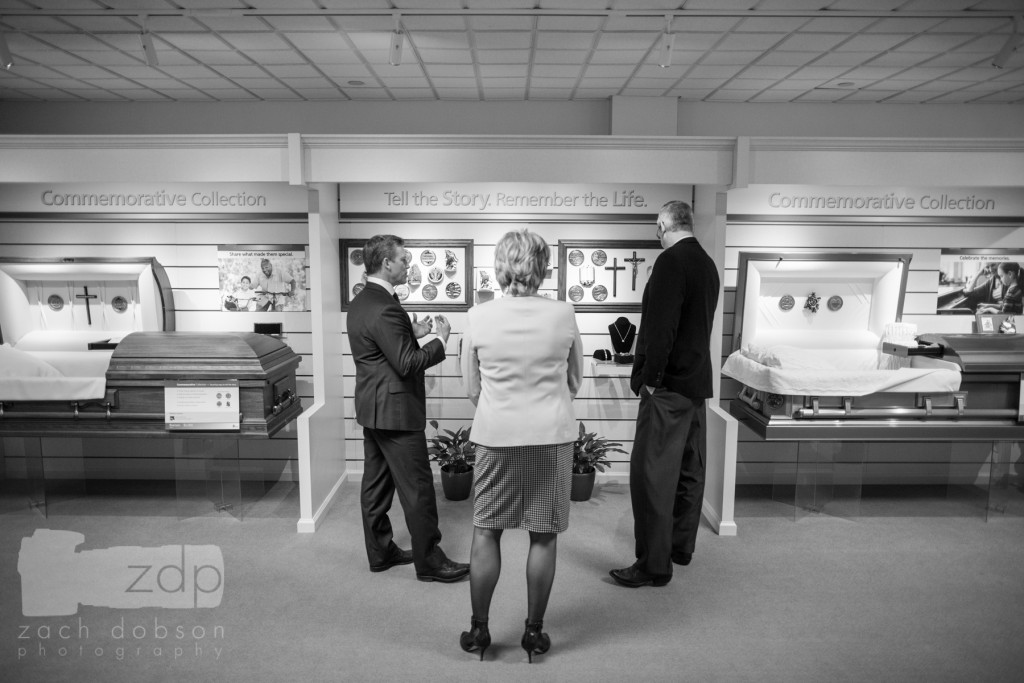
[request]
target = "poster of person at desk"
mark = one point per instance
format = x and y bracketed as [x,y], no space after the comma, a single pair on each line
[973,281]
[255,278]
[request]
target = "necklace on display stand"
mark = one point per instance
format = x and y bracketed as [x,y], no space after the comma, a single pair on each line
[624,341]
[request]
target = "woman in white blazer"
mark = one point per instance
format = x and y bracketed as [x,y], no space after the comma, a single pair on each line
[522,361]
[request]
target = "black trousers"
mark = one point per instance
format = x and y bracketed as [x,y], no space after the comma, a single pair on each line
[397,461]
[666,478]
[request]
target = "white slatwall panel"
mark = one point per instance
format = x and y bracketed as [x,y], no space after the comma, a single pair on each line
[188,252]
[889,462]
[605,404]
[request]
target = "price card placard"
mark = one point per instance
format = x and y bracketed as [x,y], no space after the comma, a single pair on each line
[202,406]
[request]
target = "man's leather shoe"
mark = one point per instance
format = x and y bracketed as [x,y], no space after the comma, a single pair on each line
[397,557]
[446,572]
[633,577]
[682,558]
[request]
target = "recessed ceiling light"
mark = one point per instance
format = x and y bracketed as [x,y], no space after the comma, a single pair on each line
[357,83]
[845,84]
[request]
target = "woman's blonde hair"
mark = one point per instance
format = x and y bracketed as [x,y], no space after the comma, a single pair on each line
[521,260]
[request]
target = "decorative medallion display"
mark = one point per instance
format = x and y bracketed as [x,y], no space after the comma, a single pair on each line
[575,293]
[356,257]
[812,303]
[835,303]
[787,302]
[451,261]
[359,286]
[438,274]
[56,302]
[618,267]
[587,276]
[119,304]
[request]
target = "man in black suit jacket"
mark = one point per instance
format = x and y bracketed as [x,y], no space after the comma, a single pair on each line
[390,400]
[672,374]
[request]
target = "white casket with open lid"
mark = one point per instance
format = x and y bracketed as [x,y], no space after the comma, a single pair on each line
[808,335]
[61,318]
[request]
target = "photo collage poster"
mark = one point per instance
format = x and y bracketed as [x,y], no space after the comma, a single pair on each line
[260,278]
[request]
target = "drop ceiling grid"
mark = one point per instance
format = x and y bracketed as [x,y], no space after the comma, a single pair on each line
[543,55]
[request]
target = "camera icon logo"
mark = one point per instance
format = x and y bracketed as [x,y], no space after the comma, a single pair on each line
[56,579]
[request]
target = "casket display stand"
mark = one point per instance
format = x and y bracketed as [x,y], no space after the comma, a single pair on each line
[816,350]
[88,360]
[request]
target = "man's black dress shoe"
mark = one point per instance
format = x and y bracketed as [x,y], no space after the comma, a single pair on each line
[633,577]
[682,558]
[446,572]
[397,557]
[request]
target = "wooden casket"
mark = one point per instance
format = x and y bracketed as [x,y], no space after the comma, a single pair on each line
[89,348]
[256,371]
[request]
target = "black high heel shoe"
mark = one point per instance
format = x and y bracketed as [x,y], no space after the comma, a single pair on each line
[535,642]
[478,637]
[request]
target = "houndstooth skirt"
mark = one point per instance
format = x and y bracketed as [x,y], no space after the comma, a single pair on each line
[522,487]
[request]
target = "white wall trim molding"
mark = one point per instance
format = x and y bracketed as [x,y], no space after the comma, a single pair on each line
[943,145]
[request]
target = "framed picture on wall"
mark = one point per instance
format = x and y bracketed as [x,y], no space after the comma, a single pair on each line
[971,280]
[440,274]
[262,277]
[605,275]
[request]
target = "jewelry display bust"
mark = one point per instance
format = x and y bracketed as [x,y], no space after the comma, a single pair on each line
[622,333]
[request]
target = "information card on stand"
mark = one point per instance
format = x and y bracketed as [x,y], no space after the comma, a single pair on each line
[201,406]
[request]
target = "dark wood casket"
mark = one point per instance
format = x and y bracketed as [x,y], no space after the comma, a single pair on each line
[144,366]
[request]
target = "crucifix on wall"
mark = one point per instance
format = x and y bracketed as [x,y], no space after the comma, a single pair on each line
[636,262]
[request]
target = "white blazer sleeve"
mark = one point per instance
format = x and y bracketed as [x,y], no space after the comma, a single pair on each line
[470,366]
[575,370]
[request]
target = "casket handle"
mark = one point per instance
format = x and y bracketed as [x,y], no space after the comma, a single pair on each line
[285,400]
[75,406]
[748,396]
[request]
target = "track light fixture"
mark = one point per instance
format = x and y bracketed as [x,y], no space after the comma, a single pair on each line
[147,45]
[665,48]
[1011,44]
[6,59]
[397,42]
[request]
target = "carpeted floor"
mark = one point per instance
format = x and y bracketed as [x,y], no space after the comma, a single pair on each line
[915,587]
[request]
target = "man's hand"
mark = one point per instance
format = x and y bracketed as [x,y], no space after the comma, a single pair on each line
[444,328]
[422,328]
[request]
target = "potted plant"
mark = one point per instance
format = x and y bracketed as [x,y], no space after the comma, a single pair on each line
[455,454]
[589,455]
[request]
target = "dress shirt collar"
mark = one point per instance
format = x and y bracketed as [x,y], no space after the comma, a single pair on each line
[673,237]
[381,283]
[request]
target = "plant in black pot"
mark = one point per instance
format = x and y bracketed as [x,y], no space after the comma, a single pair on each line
[589,456]
[455,454]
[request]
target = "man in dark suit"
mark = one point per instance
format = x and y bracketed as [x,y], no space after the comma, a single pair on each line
[390,400]
[672,374]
